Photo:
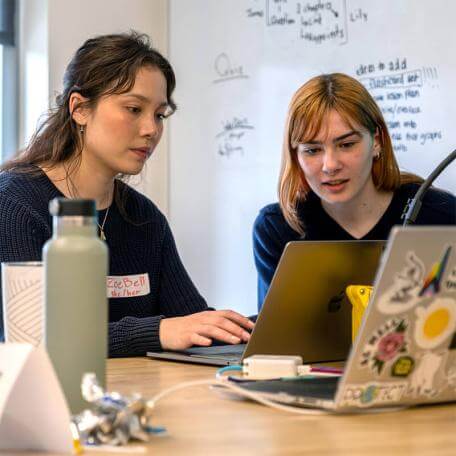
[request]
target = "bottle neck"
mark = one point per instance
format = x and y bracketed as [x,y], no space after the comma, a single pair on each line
[74,225]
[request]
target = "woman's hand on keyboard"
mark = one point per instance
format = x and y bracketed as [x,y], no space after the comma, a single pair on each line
[179,333]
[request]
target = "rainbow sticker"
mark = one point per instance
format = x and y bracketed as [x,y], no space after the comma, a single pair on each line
[434,278]
[435,323]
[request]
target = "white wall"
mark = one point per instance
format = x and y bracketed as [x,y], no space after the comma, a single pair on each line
[33,66]
[51,31]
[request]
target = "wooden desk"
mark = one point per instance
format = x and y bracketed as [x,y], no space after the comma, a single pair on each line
[201,422]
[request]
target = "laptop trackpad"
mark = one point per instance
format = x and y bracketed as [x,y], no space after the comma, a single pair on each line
[217,350]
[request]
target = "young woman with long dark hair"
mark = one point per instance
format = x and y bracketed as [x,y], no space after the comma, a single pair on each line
[108,120]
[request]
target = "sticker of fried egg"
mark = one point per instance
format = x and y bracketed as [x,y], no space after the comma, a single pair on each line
[435,323]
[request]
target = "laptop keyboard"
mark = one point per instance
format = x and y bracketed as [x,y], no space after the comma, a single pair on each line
[224,351]
[227,357]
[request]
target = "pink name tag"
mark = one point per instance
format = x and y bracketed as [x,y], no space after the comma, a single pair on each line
[128,286]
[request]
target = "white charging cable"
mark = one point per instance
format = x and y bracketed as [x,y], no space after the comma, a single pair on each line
[237,389]
[256,367]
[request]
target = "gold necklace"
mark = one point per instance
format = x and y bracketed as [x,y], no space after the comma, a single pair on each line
[102,233]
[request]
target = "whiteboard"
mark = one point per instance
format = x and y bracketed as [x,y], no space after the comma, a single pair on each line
[238,62]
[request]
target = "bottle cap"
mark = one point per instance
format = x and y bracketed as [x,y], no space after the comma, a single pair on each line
[62,207]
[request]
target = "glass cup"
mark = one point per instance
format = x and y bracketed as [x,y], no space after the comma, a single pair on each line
[23,302]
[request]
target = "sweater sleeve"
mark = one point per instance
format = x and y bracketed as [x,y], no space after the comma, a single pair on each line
[133,336]
[269,240]
[22,235]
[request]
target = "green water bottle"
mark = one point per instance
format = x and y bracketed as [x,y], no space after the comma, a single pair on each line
[76,309]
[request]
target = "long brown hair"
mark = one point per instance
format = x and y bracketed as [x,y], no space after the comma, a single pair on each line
[308,108]
[103,65]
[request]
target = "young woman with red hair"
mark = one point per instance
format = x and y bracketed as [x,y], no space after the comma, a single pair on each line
[339,178]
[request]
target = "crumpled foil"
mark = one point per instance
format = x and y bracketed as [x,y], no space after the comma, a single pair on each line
[113,419]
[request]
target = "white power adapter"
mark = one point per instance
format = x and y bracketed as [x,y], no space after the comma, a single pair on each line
[262,367]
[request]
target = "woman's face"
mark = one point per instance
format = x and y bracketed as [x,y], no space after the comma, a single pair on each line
[122,131]
[337,163]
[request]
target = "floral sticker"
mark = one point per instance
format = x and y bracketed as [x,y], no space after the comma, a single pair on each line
[385,344]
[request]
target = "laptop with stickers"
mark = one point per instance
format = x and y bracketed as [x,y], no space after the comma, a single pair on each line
[305,311]
[405,351]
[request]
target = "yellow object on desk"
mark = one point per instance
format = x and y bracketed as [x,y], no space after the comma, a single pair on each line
[358,296]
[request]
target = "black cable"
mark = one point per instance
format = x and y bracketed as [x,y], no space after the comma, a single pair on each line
[414,205]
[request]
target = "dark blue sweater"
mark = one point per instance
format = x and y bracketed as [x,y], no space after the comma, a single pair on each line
[271,232]
[142,243]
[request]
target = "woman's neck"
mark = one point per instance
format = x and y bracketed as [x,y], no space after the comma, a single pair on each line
[359,215]
[82,181]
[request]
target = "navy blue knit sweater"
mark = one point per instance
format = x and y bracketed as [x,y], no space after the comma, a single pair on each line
[141,244]
[271,232]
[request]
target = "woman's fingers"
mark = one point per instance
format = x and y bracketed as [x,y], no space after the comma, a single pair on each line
[231,327]
[215,332]
[237,318]
[198,339]
[229,321]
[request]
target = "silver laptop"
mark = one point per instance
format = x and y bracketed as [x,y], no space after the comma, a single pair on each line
[405,351]
[305,311]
